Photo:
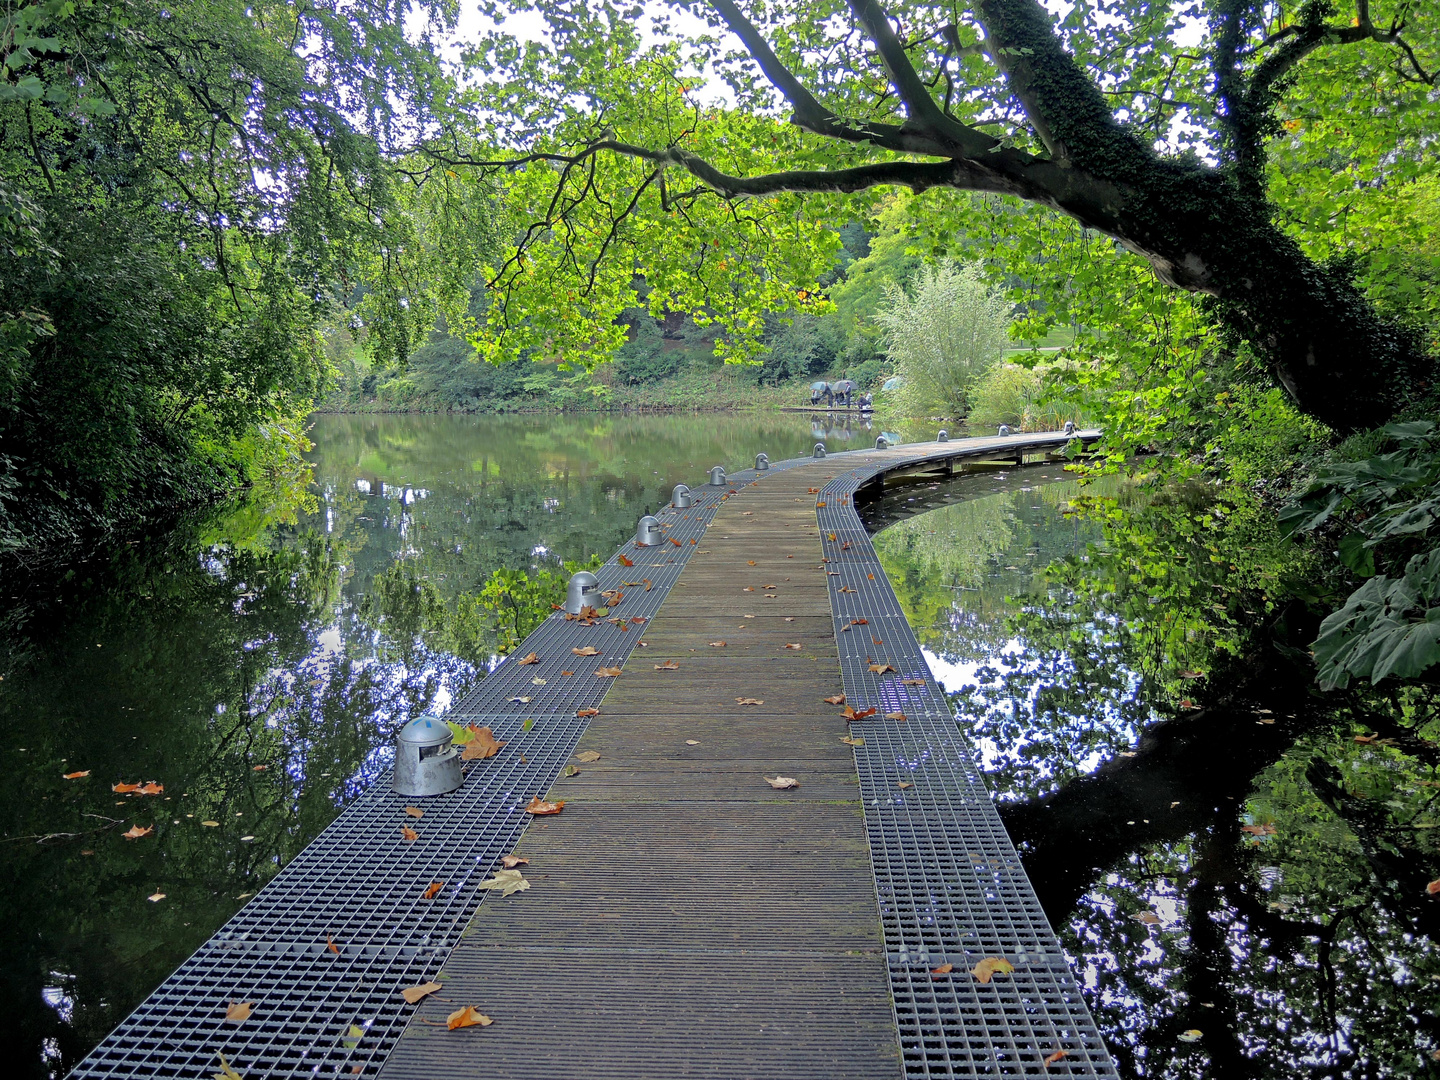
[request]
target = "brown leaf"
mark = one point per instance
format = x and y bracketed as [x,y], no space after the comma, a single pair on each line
[647,583]
[748,701]
[626,562]
[238,1012]
[607,672]
[567,674]
[748,588]
[991,966]
[781,783]
[792,645]
[587,712]
[717,644]
[1432,888]
[432,890]
[880,669]
[894,716]
[750,561]
[135,832]
[676,542]
[814,491]
[330,945]
[859,622]
[530,658]
[469,1016]
[1149,918]
[412,994]
[838,699]
[512,861]
[124,789]
[154,898]
[539,807]
[588,755]
[414,811]
[858,714]
[588,650]
[483,745]
[569,771]
[668,665]
[943,969]
[76,775]
[912,682]
[408,833]
[904,784]
[849,740]
[1056,1056]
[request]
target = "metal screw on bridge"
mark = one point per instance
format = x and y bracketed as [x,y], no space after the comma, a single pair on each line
[717,476]
[680,497]
[582,592]
[944,436]
[819,450]
[426,760]
[647,531]
[762,462]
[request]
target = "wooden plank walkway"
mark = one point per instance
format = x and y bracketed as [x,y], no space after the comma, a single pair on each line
[685,918]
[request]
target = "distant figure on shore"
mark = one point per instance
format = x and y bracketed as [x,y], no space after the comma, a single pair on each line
[821,391]
[867,402]
[843,391]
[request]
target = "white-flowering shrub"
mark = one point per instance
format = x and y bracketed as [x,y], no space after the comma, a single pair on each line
[942,335]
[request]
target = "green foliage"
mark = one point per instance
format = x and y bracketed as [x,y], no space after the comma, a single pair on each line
[517,601]
[942,336]
[1006,394]
[644,358]
[799,345]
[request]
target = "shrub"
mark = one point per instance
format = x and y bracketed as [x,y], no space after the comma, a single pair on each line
[942,336]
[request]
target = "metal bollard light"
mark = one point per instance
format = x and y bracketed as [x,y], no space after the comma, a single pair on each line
[582,592]
[944,436]
[427,762]
[762,462]
[647,532]
[1069,427]
[717,476]
[819,450]
[680,497]
[1004,429]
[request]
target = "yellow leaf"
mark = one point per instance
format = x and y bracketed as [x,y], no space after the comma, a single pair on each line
[226,1072]
[469,1016]
[1193,1035]
[506,881]
[412,994]
[990,966]
[238,1012]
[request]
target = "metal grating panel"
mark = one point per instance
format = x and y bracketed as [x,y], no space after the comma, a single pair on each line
[950,885]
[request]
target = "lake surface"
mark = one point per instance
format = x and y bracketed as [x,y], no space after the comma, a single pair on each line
[255,664]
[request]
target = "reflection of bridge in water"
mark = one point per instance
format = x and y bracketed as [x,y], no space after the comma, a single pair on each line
[743,881]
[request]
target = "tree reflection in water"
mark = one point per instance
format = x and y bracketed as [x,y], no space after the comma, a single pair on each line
[1217,848]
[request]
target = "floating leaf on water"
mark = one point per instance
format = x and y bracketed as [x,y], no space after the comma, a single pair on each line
[781,783]
[412,994]
[1149,918]
[123,788]
[135,832]
[1190,1036]
[76,775]
[238,1011]
[155,897]
[991,966]
[469,1016]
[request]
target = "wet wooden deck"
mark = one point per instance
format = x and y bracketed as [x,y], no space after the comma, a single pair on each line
[684,917]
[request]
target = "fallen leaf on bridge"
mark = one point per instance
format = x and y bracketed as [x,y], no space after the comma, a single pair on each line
[813,491]
[587,712]
[412,994]
[991,966]
[528,659]
[408,833]
[717,644]
[588,755]
[858,714]
[507,881]
[351,1039]
[880,669]
[607,672]
[626,562]
[569,771]
[850,740]
[1056,1056]
[238,1012]
[588,650]
[748,701]
[512,861]
[792,645]
[912,682]
[540,807]
[647,584]
[521,700]
[894,716]
[226,1072]
[748,588]
[668,665]
[469,1016]
[675,542]
[838,699]
[692,742]
[482,745]
[750,561]
[432,890]
[905,784]
[135,832]
[414,811]
[567,673]
[943,969]
[780,783]
[76,775]
[330,945]
[537,681]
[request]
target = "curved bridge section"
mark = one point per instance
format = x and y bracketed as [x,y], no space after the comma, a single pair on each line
[688,913]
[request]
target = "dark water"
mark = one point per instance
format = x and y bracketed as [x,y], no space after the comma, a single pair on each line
[256,665]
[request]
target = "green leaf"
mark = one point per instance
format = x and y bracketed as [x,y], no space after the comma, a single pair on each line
[1355,554]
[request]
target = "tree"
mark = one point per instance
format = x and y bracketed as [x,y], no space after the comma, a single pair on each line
[1105,113]
[942,336]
